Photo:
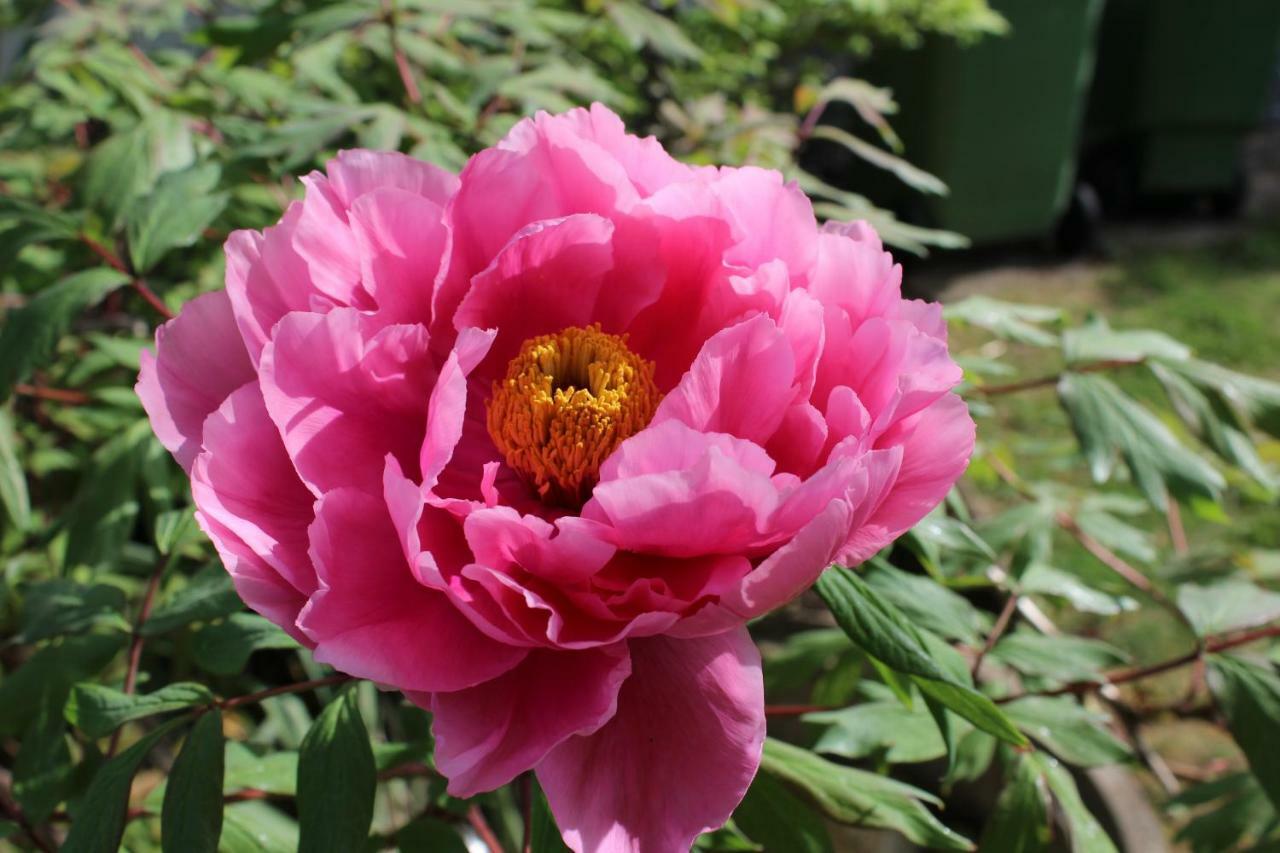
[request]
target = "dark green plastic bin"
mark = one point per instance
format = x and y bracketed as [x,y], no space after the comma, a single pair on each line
[1179,84]
[999,121]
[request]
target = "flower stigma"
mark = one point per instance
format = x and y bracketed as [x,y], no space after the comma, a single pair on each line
[567,401]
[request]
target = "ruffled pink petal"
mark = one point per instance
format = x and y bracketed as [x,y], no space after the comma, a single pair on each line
[646,163]
[551,173]
[487,735]
[564,553]
[402,240]
[346,391]
[372,619]
[677,757]
[527,611]
[672,490]
[771,219]
[199,361]
[253,505]
[853,271]
[741,383]
[358,171]
[936,445]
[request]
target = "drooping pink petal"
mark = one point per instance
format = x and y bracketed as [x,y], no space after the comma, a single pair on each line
[676,758]
[372,619]
[489,734]
[199,361]
[346,391]
[255,507]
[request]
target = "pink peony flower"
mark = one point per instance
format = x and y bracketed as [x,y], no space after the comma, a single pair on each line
[533,443]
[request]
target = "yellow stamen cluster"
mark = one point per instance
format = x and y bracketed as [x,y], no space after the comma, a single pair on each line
[567,401]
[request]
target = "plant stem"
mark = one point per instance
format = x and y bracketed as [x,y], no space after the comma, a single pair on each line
[1052,379]
[1211,645]
[477,820]
[298,687]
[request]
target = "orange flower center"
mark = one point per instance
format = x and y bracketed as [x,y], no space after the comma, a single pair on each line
[567,401]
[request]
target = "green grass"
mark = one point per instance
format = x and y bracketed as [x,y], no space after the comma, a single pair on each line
[1224,300]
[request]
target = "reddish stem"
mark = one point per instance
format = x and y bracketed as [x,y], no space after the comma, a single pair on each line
[1052,379]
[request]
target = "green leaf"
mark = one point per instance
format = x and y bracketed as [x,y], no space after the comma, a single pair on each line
[102,516]
[928,603]
[55,667]
[904,736]
[1058,658]
[174,527]
[431,835]
[1087,835]
[1227,606]
[642,26]
[275,772]
[857,797]
[30,333]
[1249,696]
[126,164]
[1215,422]
[174,214]
[223,648]
[776,819]
[13,482]
[1020,823]
[1097,341]
[98,710]
[874,625]
[1008,320]
[65,607]
[1108,422]
[913,176]
[1046,580]
[208,595]
[97,825]
[1071,731]
[336,780]
[42,772]
[256,827]
[191,820]
[883,632]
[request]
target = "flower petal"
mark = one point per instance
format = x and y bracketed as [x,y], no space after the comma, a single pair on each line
[252,504]
[358,171]
[402,241]
[346,391]
[199,360]
[489,734]
[677,757]
[741,383]
[372,619]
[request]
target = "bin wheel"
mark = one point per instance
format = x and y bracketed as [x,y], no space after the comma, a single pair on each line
[1080,228]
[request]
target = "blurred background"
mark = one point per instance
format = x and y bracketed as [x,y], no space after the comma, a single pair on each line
[1053,171]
